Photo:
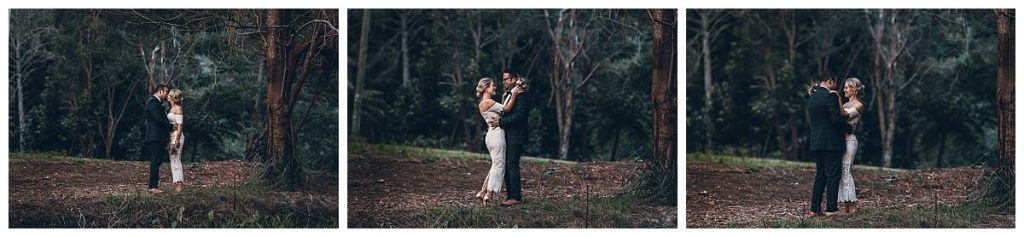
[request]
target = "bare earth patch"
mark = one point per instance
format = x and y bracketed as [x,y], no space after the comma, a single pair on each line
[50,191]
[387,190]
[719,196]
[51,180]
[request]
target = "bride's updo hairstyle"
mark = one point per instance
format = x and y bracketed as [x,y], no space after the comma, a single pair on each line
[481,86]
[856,85]
[176,95]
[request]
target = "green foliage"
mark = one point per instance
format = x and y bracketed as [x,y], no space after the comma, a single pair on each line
[97,62]
[450,50]
[945,113]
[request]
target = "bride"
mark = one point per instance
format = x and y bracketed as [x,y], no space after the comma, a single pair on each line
[495,139]
[177,139]
[851,110]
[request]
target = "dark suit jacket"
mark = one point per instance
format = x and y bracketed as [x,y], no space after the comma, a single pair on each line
[828,127]
[515,123]
[158,129]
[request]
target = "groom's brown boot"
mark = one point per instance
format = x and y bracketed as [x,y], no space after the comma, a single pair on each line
[511,202]
[154,191]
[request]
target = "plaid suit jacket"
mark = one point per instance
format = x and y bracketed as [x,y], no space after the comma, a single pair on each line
[828,127]
[516,123]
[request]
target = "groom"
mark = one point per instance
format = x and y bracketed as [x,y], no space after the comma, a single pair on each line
[827,147]
[157,134]
[515,123]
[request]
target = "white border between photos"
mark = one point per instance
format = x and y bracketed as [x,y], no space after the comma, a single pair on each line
[343,5]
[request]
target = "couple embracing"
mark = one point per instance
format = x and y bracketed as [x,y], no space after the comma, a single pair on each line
[834,143]
[164,138]
[506,135]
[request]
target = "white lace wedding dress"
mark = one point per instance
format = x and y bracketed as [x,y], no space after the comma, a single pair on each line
[177,172]
[495,141]
[847,189]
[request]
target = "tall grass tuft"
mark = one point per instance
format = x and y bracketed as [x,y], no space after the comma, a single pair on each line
[997,189]
[655,181]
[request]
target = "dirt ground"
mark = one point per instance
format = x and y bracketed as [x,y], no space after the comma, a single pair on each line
[53,180]
[43,190]
[385,189]
[719,195]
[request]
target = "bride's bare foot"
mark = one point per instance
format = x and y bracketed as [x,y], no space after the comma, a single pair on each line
[853,207]
[179,186]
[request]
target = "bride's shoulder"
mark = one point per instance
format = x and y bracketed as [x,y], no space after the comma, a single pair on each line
[176,109]
[486,103]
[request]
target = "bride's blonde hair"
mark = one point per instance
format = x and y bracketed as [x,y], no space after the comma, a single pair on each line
[855,84]
[482,85]
[176,95]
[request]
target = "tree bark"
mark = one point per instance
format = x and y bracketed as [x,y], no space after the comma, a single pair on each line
[1005,75]
[283,168]
[663,84]
[357,99]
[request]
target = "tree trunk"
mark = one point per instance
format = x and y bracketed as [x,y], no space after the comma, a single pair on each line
[1005,74]
[21,113]
[707,32]
[663,84]
[28,51]
[615,144]
[942,150]
[566,46]
[404,35]
[890,34]
[283,168]
[357,99]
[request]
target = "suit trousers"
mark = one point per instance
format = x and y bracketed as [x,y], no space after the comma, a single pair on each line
[828,166]
[157,154]
[512,176]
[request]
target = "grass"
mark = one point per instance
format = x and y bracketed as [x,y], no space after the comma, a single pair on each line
[246,206]
[962,216]
[432,153]
[761,163]
[600,212]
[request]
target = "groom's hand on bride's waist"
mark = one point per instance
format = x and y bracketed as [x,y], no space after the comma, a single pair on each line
[493,122]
